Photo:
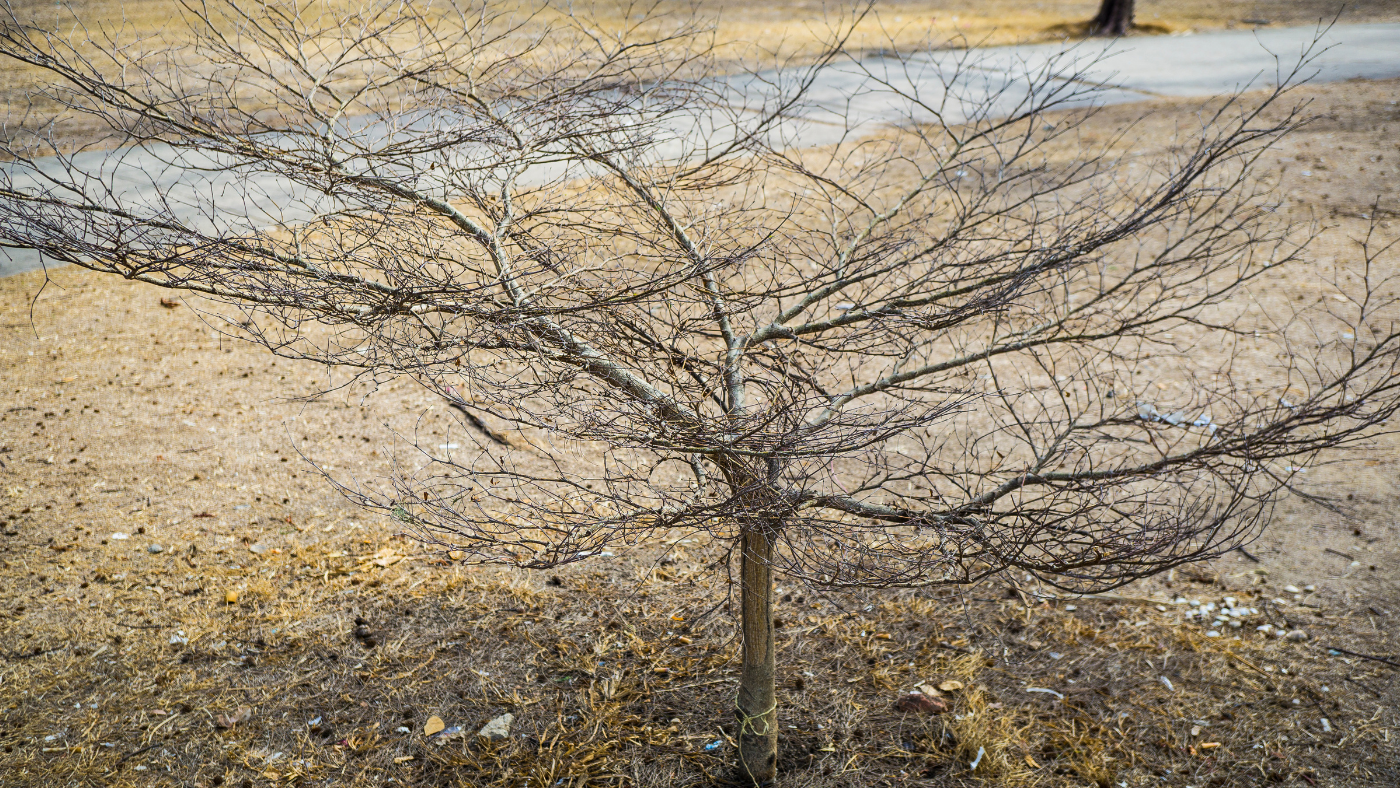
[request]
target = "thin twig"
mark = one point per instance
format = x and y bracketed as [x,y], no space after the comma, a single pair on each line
[1381,660]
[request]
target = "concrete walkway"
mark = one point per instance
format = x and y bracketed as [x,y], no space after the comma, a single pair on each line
[846,99]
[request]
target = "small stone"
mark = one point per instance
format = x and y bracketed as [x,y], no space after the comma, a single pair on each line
[497,729]
[456,555]
[1309,588]
[1297,635]
[433,725]
[155,548]
[257,549]
[919,703]
[1293,589]
[231,597]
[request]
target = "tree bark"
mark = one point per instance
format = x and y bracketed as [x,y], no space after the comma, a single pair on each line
[1115,18]
[757,704]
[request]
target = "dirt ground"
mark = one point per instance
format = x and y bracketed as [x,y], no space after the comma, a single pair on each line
[185,601]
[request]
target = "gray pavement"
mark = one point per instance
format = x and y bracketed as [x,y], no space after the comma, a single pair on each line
[847,99]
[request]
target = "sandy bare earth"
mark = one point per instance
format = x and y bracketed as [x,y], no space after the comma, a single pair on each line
[232,655]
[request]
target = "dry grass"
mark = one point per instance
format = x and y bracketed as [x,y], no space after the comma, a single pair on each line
[123,416]
[619,683]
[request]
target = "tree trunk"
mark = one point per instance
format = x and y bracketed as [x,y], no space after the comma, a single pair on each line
[1115,18]
[757,704]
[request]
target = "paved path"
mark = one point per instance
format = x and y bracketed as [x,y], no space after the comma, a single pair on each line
[1135,69]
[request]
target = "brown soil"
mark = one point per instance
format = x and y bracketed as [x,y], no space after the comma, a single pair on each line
[118,665]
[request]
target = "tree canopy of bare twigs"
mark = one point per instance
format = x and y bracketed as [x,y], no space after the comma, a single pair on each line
[914,354]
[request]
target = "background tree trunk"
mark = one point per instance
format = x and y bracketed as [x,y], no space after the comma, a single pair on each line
[757,713]
[1115,18]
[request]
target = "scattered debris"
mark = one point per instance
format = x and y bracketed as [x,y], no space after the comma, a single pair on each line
[433,725]
[981,751]
[950,686]
[155,549]
[446,735]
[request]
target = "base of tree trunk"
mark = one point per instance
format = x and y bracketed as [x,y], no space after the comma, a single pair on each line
[1115,18]
[756,706]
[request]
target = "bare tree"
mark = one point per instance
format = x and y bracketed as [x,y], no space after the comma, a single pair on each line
[913,355]
[1115,18]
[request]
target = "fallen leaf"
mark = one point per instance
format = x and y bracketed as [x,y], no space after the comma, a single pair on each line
[950,685]
[919,703]
[403,759]
[231,597]
[169,303]
[386,557]
[456,555]
[433,725]
[229,720]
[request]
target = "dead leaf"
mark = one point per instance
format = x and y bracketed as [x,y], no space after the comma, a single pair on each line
[386,557]
[229,720]
[169,303]
[950,685]
[231,597]
[433,725]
